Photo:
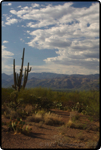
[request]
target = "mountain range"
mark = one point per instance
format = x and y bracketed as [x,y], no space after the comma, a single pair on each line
[56,81]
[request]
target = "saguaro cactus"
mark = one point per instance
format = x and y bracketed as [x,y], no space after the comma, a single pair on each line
[18,78]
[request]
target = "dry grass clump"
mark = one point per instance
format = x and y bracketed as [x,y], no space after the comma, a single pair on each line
[6,111]
[34,118]
[47,118]
[82,126]
[52,119]
[30,119]
[13,114]
[28,109]
[42,112]
[40,124]
[38,117]
[74,115]
[70,124]
[80,136]
[3,109]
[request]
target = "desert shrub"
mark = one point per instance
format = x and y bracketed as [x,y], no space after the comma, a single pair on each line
[21,113]
[90,100]
[17,125]
[14,101]
[14,95]
[41,92]
[15,104]
[86,102]
[78,107]
[58,105]
[5,95]
[70,104]
[44,102]
[93,111]
[10,90]
[27,96]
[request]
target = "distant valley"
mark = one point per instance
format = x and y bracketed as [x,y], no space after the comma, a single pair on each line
[56,81]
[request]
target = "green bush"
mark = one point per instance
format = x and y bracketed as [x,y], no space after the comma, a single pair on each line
[27,96]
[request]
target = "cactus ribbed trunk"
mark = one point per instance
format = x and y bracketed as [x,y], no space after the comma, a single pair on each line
[14,73]
[18,78]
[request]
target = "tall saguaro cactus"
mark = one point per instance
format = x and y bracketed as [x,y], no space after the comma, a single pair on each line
[18,78]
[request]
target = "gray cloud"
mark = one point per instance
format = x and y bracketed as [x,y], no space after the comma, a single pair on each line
[92,55]
[88,64]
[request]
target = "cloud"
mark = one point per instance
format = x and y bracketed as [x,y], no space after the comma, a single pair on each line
[6,57]
[19,6]
[23,26]
[8,4]
[11,21]
[28,31]
[5,53]
[70,31]
[21,40]
[19,13]
[35,5]
[62,69]
[49,11]
[5,41]
[26,7]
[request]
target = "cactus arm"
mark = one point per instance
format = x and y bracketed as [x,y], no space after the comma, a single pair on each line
[21,70]
[14,73]
[26,75]
[22,61]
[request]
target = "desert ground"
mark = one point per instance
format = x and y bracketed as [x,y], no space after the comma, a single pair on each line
[79,133]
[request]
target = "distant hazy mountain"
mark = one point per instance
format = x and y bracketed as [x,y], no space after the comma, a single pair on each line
[45,75]
[56,81]
[6,77]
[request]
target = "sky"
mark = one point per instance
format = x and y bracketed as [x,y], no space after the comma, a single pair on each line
[58,37]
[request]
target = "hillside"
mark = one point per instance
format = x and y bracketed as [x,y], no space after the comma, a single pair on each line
[57,81]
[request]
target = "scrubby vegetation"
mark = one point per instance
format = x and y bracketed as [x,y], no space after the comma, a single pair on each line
[31,100]
[36,106]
